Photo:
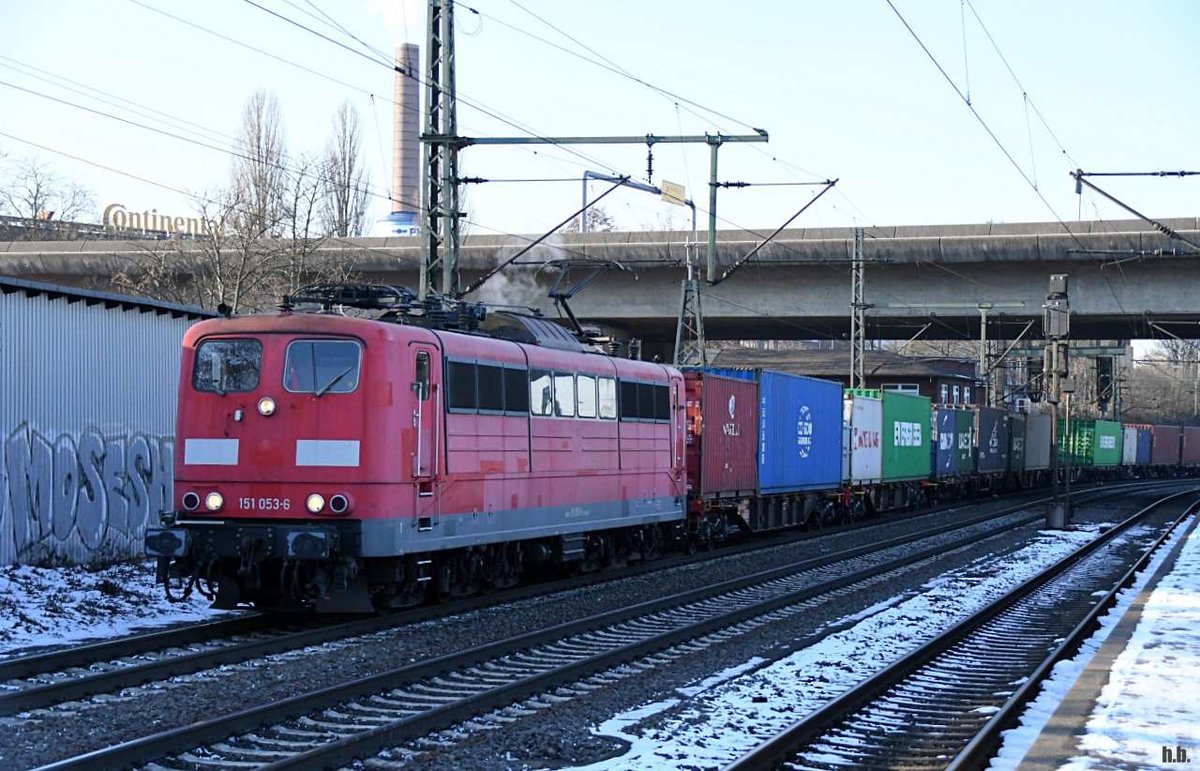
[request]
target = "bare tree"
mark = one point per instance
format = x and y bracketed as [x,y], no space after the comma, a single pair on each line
[32,189]
[262,237]
[598,220]
[259,172]
[245,270]
[344,186]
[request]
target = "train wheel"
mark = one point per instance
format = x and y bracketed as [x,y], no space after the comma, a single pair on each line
[653,539]
[828,515]
[506,565]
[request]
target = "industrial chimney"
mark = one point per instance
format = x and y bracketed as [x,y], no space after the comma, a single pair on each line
[406,144]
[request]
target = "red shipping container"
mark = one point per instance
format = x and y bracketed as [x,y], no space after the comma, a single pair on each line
[1164,450]
[722,435]
[1191,445]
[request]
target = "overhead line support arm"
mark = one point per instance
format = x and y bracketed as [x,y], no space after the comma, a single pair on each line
[758,247]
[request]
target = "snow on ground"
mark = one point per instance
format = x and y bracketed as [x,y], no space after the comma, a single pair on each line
[1018,741]
[717,725]
[54,606]
[1149,702]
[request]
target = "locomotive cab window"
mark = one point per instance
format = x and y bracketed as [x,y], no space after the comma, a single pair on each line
[322,367]
[223,366]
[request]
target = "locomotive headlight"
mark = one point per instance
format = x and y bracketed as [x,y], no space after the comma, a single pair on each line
[315,503]
[214,501]
[191,501]
[266,406]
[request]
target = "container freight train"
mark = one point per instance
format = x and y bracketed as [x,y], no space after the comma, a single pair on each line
[344,463]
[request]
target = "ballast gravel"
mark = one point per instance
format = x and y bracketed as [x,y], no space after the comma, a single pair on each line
[553,738]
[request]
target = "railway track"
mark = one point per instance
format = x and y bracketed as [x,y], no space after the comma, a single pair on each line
[46,679]
[944,704]
[493,684]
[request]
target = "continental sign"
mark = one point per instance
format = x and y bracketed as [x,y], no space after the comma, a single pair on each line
[118,217]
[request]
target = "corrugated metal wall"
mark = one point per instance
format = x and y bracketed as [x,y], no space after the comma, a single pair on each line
[87,416]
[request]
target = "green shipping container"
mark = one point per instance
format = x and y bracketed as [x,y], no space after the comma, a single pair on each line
[906,453]
[1090,442]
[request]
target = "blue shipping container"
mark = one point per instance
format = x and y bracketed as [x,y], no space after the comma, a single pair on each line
[737,373]
[992,439]
[799,433]
[944,447]
[952,452]
[799,430]
[1145,443]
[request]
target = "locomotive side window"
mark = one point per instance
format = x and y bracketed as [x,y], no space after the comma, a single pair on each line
[541,399]
[564,395]
[662,402]
[322,366]
[608,397]
[516,390]
[586,395]
[227,365]
[460,386]
[645,401]
[629,401]
[491,388]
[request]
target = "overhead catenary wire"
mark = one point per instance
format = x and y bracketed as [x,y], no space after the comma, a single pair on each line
[723,219]
[104,97]
[538,37]
[204,199]
[608,64]
[303,68]
[190,140]
[536,135]
[1030,104]
[463,99]
[999,144]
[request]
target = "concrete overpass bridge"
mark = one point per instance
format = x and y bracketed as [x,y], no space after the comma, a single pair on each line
[1125,275]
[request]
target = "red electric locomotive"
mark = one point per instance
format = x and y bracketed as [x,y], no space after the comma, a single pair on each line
[346,463]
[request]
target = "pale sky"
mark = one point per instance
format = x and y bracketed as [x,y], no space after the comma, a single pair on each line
[842,87]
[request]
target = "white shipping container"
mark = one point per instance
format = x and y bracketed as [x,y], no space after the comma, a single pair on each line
[1129,446]
[1037,442]
[864,418]
[89,384]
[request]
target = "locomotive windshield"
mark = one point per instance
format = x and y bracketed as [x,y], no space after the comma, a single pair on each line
[321,366]
[227,365]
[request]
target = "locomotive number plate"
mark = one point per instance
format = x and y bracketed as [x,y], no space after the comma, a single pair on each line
[264,504]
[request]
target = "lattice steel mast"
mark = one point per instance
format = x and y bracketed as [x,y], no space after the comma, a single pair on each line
[858,313]
[441,143]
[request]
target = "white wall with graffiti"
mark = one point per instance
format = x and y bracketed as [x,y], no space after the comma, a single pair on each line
[88,388]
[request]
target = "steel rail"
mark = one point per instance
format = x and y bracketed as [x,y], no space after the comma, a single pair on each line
[90,683]
[186,737]
[130,645]
[778,751]
[988,738]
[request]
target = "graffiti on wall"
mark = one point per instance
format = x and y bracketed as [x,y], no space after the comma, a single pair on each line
[80,497]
